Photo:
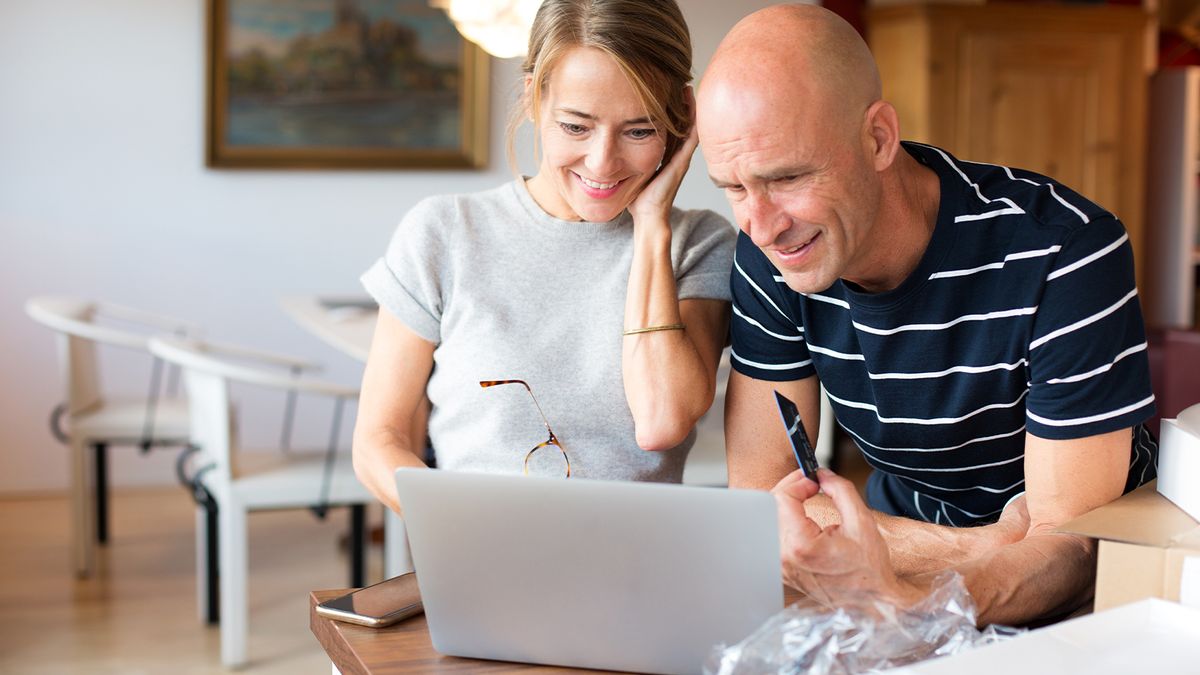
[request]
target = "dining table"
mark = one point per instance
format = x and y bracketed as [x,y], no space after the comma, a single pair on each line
[346,323]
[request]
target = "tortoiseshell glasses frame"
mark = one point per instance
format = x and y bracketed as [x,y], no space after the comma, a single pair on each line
[553,440]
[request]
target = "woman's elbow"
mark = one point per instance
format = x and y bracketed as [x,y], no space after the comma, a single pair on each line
[657,440]
[664,431]
[661,423]
[361,461]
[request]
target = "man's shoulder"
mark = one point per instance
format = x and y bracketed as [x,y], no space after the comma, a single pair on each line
[981,191]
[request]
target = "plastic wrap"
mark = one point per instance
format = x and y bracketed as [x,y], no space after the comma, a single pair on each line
[862,635]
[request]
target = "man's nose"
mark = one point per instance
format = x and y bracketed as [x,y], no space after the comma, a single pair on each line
[761,219]
[603,158]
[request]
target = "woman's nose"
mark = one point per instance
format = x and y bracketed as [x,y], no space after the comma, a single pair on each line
[603,158]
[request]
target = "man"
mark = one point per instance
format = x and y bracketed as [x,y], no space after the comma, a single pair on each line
[976,327]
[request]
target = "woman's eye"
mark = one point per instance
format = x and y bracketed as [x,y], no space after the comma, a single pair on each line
[641,134]
[573,129]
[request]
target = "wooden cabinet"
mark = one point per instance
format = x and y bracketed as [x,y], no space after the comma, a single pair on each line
[1173,206]
[1056,89]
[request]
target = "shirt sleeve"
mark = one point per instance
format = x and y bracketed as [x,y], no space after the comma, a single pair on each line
[1089,372]
[768,333]
[703,253]
[408,280]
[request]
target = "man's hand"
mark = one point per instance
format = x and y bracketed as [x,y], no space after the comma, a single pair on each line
[1013,524]
[838,560]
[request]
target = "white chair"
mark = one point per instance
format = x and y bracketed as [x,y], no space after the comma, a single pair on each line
[95,421]
[294,479]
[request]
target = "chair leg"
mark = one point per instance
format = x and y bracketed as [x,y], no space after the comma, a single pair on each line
[358,545]
[83,547]
[207,601]
[202,571]
[101,492]
[212,567]
[232,544]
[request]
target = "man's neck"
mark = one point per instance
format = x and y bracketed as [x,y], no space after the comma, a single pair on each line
[906,220]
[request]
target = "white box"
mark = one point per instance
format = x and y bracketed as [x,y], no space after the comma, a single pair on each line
[1149,636]
[1179,460]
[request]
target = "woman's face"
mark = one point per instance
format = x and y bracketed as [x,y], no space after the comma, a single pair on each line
[598,146]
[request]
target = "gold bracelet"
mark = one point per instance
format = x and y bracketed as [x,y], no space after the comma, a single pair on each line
[651,329]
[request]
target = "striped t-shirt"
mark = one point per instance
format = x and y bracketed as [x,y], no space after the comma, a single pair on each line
[1022,316]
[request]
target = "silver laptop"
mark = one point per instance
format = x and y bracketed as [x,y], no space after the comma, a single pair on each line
[621,576]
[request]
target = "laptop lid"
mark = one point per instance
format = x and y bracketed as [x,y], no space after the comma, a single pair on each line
[624,576]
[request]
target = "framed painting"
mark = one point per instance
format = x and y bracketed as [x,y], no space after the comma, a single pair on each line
[343,84]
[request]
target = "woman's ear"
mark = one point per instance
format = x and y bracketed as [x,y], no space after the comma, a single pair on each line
[689,98]
[883,134]
[527,97]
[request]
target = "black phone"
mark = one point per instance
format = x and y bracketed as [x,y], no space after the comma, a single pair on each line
[806,457]
[378,605]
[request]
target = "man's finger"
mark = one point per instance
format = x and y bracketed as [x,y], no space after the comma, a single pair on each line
[797,477]
[855,514]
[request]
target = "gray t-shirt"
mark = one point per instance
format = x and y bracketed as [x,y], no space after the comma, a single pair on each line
[506,291]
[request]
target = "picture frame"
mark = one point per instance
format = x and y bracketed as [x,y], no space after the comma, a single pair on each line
[361,84]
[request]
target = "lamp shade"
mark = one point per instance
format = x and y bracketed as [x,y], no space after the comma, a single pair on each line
[500,27]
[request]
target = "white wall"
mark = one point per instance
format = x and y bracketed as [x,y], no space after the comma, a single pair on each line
[104,194]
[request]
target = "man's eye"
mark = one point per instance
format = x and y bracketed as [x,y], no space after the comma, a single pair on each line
[573,129]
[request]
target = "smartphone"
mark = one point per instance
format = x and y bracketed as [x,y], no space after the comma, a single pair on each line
[806,457]
[378,605]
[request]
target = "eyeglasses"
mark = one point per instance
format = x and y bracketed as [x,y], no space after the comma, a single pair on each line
[553,440]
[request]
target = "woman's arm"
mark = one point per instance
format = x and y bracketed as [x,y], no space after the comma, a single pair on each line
[392,408]
[669,375]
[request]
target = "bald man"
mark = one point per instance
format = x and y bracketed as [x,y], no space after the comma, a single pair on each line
[977,329]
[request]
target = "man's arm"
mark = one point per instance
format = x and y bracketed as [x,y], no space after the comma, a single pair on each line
[756,443]
[759,456]
[1047,572]
[1041,574]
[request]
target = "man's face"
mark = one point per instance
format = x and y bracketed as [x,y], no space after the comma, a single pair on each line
[800,183]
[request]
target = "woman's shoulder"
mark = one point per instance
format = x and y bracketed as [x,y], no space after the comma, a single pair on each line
[444,209]
[701,223]
[447,211]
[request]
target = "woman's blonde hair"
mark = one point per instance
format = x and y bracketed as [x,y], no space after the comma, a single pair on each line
[649,41]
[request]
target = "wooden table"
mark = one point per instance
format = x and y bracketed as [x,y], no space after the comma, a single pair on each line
[405,647]
[400,648]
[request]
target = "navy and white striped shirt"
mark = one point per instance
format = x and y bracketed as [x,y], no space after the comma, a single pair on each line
[1022,315]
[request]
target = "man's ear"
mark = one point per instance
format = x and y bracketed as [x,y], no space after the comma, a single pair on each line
[883,132]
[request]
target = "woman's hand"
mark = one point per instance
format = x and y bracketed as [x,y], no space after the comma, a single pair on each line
[653,203]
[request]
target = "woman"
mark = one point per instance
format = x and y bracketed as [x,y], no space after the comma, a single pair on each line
[582,281]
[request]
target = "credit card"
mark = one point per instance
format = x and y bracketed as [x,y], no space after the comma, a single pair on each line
[806,457]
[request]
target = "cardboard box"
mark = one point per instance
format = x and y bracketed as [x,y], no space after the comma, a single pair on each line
[1151,636]
[1179,460]
[1149,548]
